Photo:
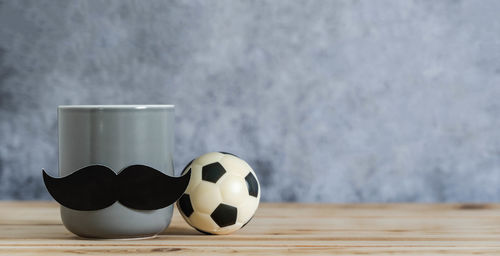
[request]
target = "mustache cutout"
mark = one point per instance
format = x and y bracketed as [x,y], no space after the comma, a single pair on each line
[96,187]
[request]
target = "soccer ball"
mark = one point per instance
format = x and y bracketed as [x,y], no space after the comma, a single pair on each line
[222,196]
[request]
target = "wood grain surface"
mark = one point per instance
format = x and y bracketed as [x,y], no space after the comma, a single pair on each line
[34,228]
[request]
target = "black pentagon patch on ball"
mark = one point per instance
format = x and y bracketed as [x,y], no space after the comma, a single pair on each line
[227,153]
[253,186]
[247,222]
[212,172]
[204,232]
[185,205]
[224,215]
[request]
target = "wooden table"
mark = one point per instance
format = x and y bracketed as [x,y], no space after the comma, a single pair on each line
[376,229]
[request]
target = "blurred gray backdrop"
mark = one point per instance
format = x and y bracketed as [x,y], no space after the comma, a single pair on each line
[329,101]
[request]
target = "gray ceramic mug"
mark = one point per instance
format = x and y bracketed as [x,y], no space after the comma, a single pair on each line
[116,136]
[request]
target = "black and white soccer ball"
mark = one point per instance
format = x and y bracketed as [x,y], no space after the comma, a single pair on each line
[222,196]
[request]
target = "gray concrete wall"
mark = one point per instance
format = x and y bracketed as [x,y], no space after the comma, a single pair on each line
[330,101]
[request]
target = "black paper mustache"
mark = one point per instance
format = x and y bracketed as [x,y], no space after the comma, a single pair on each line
[96,187]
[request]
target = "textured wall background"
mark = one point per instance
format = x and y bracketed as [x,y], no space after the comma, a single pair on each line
[339,101]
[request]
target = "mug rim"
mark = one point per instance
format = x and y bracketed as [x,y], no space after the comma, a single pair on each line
[112,107]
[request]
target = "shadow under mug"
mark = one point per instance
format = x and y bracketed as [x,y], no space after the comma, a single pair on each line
[116,136]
